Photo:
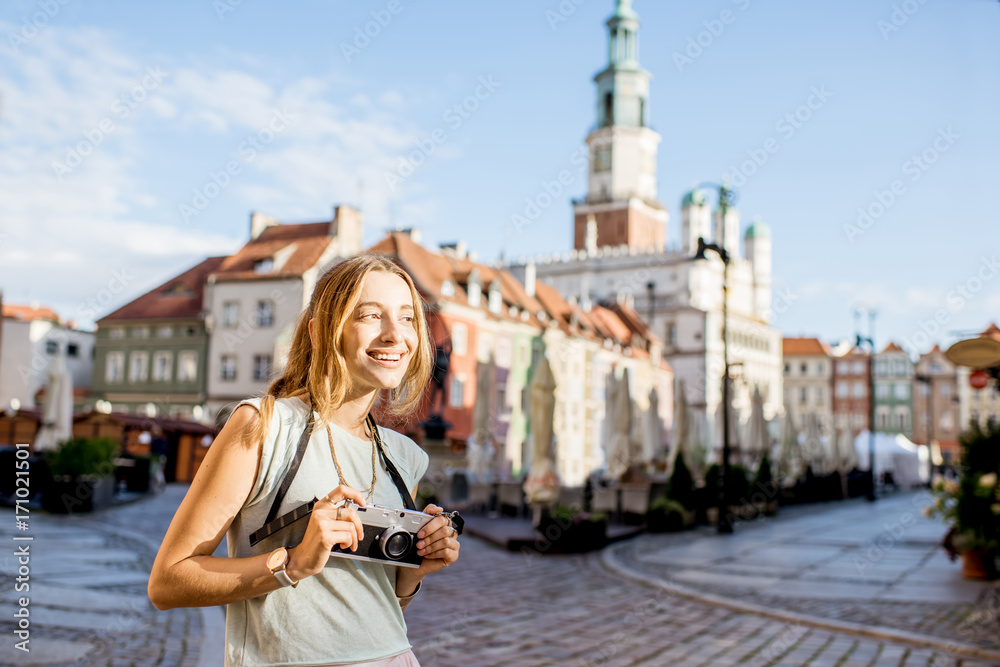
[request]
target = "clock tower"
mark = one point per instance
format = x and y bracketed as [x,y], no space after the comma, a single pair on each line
[621,188]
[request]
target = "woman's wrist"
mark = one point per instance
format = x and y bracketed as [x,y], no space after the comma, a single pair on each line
[407,583]
[291,570]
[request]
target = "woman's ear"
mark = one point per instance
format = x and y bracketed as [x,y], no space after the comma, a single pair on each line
[312,336]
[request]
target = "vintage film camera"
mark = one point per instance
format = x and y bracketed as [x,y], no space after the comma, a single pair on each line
[390,535]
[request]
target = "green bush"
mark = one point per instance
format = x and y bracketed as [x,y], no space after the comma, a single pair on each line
[681,484]
[665,515]
[737,485]
[83,456]
[764,475]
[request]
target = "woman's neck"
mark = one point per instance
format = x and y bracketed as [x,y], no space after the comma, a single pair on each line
[352,413]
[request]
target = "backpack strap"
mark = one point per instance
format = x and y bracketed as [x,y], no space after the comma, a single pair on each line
[292,470]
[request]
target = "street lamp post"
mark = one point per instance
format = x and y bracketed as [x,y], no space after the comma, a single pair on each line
[727,197]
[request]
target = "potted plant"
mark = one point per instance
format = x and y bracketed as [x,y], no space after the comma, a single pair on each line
[82,475]
[763,486]
[666,515]
[970,504]
[568,529]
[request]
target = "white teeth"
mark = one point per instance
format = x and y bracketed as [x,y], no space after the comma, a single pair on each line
[386,357]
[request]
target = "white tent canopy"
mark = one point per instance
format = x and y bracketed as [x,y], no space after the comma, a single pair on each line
[894,453]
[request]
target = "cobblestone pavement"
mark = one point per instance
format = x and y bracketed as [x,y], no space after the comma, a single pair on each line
[492,608]
[846,562]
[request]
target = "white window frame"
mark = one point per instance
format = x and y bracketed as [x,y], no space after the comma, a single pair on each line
[459,338]
[142,357]
[162,372]
[257,359]
[265,306]
[230,314]
[456,393]
[227,367]
[114,368]
[186,359]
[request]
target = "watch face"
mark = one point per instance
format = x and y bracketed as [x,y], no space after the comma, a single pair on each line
[277,559]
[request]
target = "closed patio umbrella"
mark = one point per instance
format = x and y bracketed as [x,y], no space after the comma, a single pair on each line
[622,449]
[542,483]
[57,412]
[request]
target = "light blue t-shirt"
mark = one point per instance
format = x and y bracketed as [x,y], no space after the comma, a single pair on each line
[349,611]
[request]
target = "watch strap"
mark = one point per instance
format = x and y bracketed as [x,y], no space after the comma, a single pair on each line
[283,578]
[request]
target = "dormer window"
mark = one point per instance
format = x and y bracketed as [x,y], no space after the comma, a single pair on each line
[495,298]
[447,288]
[265,265]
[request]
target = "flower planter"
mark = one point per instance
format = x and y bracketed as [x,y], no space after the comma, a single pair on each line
[66,495]
[978,564]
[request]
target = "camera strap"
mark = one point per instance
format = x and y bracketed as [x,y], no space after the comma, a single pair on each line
[397,479]
[300,451]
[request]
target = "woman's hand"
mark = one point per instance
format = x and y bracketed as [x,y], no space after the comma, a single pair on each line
[329,526]
[437,542]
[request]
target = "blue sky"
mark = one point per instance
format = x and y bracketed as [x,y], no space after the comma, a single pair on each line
[162,96]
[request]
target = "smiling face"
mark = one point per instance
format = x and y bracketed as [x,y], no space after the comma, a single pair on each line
[380,338]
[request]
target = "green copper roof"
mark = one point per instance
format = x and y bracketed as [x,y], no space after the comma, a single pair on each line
[758,230]
[695,197]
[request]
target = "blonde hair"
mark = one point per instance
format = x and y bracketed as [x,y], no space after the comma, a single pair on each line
[320,367]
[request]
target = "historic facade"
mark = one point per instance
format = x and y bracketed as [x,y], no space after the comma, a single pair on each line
[936,404]
[620,253]
[893,391]
[808,376]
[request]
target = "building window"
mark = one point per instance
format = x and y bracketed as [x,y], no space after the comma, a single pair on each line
[190,331]
[902,390]
[672,334]
[820,368]
[116,332]
[602,159]
[859,368]
[72,350]
[51,347]
[819,394]
[138,365]
[459,338]
[946,391]
[881,391]
[457,393]
[261,366]
[227,367]
[164,332]
[881,367]
[788,369]
[265,265]
[842,390]
[859,390]
[803,369]
[140,332]
[900,367]
[803,395]
[114,367]
[162,361]
[843,367]
[187,366]
[230,313]
[265,313]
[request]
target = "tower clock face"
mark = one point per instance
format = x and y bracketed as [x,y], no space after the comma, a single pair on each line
[602,159]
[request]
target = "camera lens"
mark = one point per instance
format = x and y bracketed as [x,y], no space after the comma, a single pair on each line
[396,543]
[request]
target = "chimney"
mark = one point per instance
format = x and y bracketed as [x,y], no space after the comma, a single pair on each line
[259,222]
[455,249]
[529,278]
[412,232]
[348,227]
[474,288]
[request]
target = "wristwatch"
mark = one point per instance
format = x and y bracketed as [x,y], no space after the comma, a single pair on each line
[277,561]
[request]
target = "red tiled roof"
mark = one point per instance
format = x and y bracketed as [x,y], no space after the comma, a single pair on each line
[307,243]
[992,331]
[430,269]
[798,347]
[892,347]
[178,297]
[29,313]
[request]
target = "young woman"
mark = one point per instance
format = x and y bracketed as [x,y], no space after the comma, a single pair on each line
[364,331]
